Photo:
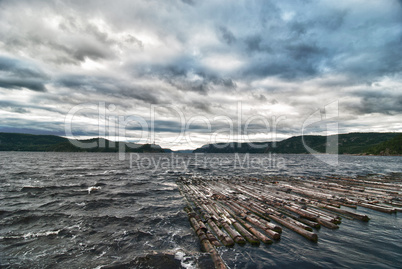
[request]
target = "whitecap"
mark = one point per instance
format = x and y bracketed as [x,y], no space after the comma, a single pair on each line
[185,260]
[93,189]
[39,234]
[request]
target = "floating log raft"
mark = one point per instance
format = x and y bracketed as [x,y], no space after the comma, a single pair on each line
[229,211]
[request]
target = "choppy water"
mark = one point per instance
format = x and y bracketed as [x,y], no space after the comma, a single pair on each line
[48,219]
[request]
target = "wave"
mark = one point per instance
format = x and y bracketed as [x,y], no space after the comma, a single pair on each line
[30,235]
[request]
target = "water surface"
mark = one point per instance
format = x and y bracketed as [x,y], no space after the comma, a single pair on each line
[49,218]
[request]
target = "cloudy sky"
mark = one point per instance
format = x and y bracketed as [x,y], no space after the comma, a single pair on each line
[186,73]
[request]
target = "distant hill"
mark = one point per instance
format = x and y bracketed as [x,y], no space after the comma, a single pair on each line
[390,147]
[353,143]
[234,147]
[28,142]
[183,151]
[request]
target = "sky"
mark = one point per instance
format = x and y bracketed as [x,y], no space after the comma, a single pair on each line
[186,73]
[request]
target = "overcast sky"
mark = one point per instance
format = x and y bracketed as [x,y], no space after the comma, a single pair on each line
[270,67]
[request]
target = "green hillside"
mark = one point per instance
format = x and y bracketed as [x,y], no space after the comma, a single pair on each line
[390,147]
[28,142]
[353,143]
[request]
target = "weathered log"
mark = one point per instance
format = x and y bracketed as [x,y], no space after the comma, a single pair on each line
[246,234]
[225,239]
[267,228]
[384,209]
[216,258]
[307,234]
[271,229]
[310,223]
[213,239]
[264,220]
[206,243]
[225,222]
[327,224]
[250,228]
[301,212]
[258,234]
[345,212]
[226,217]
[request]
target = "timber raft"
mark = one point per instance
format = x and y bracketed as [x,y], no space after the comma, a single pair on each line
[226,211]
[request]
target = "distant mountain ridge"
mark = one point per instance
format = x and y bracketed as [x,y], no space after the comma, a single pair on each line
[352,143]
[29,142]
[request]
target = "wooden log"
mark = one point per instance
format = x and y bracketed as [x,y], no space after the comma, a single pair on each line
[263,219]
[271,229]
[233,234]
[291,219]
[227,218]
[348,213]
[327,224]
[197,224]
[225,223]
[225,239]
[384,209]
[307,234]
[216,258]
[301,212]
[213,239]
[293,226]
[250,228]
[258,234]
[206,243]
[310,223]
[243,231]
[268,229]
[327,215]
[251,238]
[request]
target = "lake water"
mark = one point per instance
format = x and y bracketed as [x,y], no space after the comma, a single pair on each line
[134,212]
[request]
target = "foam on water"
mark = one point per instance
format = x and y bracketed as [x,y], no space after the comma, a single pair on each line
[185,260]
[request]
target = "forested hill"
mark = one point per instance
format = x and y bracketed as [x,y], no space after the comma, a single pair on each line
[29,142]
[352,143]
[390,147]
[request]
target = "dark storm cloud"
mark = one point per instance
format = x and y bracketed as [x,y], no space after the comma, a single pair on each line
[226,35]
[255,44]
[179,75]
[16,74]
[23,108]
[107,86]
[378,102]
[18,83]
[18,123]
[13,129]
[189,2]
[13,107]
[20,68]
